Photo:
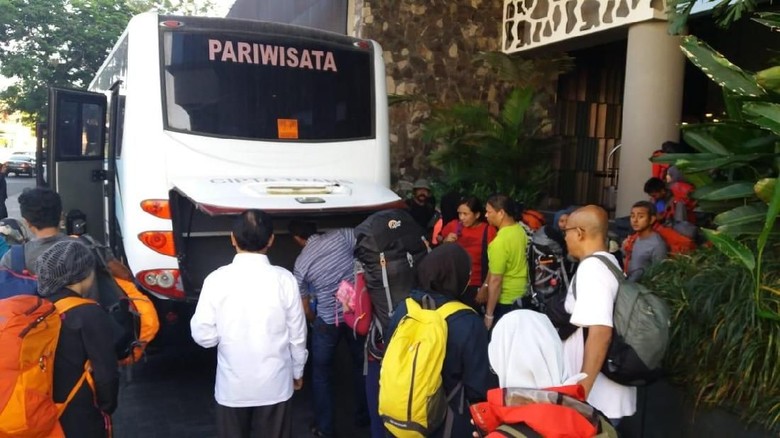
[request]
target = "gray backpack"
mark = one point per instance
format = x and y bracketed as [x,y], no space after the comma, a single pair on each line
[640,333]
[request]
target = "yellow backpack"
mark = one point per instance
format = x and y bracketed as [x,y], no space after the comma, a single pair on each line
[412,401]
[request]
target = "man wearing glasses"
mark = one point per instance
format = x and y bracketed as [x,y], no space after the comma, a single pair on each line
[596,289]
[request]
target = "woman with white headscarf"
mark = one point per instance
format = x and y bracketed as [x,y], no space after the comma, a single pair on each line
[526,352]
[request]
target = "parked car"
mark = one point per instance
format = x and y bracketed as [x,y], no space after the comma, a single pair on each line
[21,165]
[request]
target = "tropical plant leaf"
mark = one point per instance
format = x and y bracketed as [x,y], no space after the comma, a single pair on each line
[768,314]
[703,141]
[720,69]
[765,189]
[752,230]
[770,19]
[515,107]
[678,11]
[731,248]
[673,158]
[746,214]
[764,114]
[728,191]
[771,217]
[720,163]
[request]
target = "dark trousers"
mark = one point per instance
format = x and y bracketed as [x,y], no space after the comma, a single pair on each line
[325,339]
[273,421]
[372,397]
[3,210]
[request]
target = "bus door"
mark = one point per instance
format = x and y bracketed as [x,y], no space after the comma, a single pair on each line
[75,158]
[41,129]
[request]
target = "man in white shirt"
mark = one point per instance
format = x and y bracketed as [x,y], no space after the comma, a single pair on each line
[251,311]
[596,289]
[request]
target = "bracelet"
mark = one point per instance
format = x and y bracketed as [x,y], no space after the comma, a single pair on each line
[489,316]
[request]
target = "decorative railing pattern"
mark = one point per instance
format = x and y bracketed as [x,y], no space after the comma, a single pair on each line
[532,23]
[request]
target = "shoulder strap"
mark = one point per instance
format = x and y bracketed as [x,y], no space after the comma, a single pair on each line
[63,306]
[18,264]
[619,276]
[518,430]
[68,303]
[450,307]
[484,260]
[614,269]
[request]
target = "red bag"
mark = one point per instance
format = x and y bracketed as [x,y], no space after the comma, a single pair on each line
[558,412]
[356,303]
[677,242]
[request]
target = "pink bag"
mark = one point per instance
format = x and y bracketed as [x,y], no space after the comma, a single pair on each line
[356,303]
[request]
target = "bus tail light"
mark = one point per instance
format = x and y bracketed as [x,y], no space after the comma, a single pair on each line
[157,207]
[159,241]
[166,282]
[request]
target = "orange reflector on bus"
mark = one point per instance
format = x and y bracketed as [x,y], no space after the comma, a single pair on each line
[157,207]
[166,282]
[160,241]
[287,128]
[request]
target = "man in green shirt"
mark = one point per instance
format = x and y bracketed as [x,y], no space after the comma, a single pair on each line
[506,281]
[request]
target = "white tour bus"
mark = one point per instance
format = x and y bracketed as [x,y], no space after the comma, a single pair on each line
[192,120]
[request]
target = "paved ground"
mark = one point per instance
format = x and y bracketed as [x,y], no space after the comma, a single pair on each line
[172,395]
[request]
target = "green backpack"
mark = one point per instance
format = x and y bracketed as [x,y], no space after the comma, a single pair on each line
[640,333]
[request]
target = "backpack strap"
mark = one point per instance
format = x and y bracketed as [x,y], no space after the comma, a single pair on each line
[619,276]
[18,264]
[451,307]
[484,260]
[517,430]
[386,284]
[62,306]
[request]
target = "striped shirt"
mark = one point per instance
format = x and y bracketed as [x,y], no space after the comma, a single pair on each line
[324,262]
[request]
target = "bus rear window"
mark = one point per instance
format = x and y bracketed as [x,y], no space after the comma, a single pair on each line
[267,87]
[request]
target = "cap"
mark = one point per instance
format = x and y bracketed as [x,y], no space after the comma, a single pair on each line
[421,184]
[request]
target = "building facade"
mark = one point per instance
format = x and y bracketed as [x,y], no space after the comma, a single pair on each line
[629,92]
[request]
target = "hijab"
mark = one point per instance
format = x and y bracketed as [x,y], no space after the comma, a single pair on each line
[446,271]
[526,352]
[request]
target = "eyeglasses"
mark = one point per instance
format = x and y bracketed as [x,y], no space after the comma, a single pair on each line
[564,230]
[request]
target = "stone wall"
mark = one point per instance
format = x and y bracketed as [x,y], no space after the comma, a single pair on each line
[429,46]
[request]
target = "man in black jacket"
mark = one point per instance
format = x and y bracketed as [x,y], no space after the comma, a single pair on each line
[67,269]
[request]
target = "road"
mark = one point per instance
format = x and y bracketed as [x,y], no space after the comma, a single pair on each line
[15,186]
[172,395]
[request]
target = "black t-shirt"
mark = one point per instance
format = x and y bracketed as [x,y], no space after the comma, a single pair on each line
[422,214]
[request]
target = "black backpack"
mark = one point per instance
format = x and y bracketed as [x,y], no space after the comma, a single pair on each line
[549,280]
[389,245]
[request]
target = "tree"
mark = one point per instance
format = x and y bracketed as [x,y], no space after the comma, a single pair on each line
[63,43]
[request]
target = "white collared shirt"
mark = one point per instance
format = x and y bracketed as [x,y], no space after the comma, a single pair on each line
[252,312]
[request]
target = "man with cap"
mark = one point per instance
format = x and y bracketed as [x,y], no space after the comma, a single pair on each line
[67,269]
[421,205]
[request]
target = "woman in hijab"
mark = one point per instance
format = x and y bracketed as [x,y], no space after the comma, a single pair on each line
[526,352]
[443,276]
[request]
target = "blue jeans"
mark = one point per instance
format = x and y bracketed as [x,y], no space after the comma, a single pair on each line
[372,396]
[325,339]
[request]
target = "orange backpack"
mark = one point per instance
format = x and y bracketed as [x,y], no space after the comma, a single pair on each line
[533,218]
[147,322]
[29,332]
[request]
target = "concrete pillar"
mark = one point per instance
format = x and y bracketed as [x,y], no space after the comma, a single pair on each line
[652,104]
